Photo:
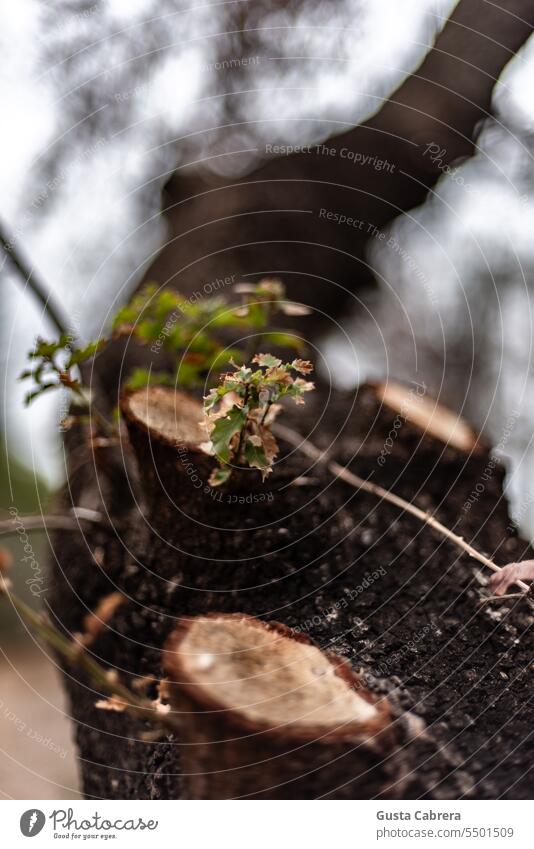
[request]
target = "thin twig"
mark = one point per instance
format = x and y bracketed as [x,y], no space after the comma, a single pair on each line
[34,283]
[310,450]
[53,522]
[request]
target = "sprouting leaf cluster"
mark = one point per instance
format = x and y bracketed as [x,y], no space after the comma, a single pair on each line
[195,333]
[54,364]
[242,407]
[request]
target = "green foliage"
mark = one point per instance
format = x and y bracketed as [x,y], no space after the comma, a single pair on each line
[242,407]
[225,429]
[185,329]
[141,377]
[52,365]
[195,333]
[146,312]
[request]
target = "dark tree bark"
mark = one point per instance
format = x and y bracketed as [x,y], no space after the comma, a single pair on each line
[360,578]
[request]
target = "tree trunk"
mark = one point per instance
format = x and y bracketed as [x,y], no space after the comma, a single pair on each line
[359,577]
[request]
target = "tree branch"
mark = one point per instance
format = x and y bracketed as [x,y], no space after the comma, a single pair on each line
[310,216]
[52,522]
[33,282]
[75,655]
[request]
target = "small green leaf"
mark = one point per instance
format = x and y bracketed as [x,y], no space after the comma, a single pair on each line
[267,360]
[255,456]
[224,430]
[211,399]
[80,355]
[222,358]
[243,374]
[46,350]
[257,316]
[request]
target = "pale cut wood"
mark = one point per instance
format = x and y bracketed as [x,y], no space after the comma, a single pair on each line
[428,414]
[266,713]
[271,679]
[172,416]
[171,444]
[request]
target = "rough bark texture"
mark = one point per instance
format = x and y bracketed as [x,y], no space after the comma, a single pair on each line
[358,577]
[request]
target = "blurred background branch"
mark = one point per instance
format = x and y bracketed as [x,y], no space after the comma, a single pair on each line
[32,281]
[115,111]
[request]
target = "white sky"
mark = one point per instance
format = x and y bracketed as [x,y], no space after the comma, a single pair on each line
[84,247]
